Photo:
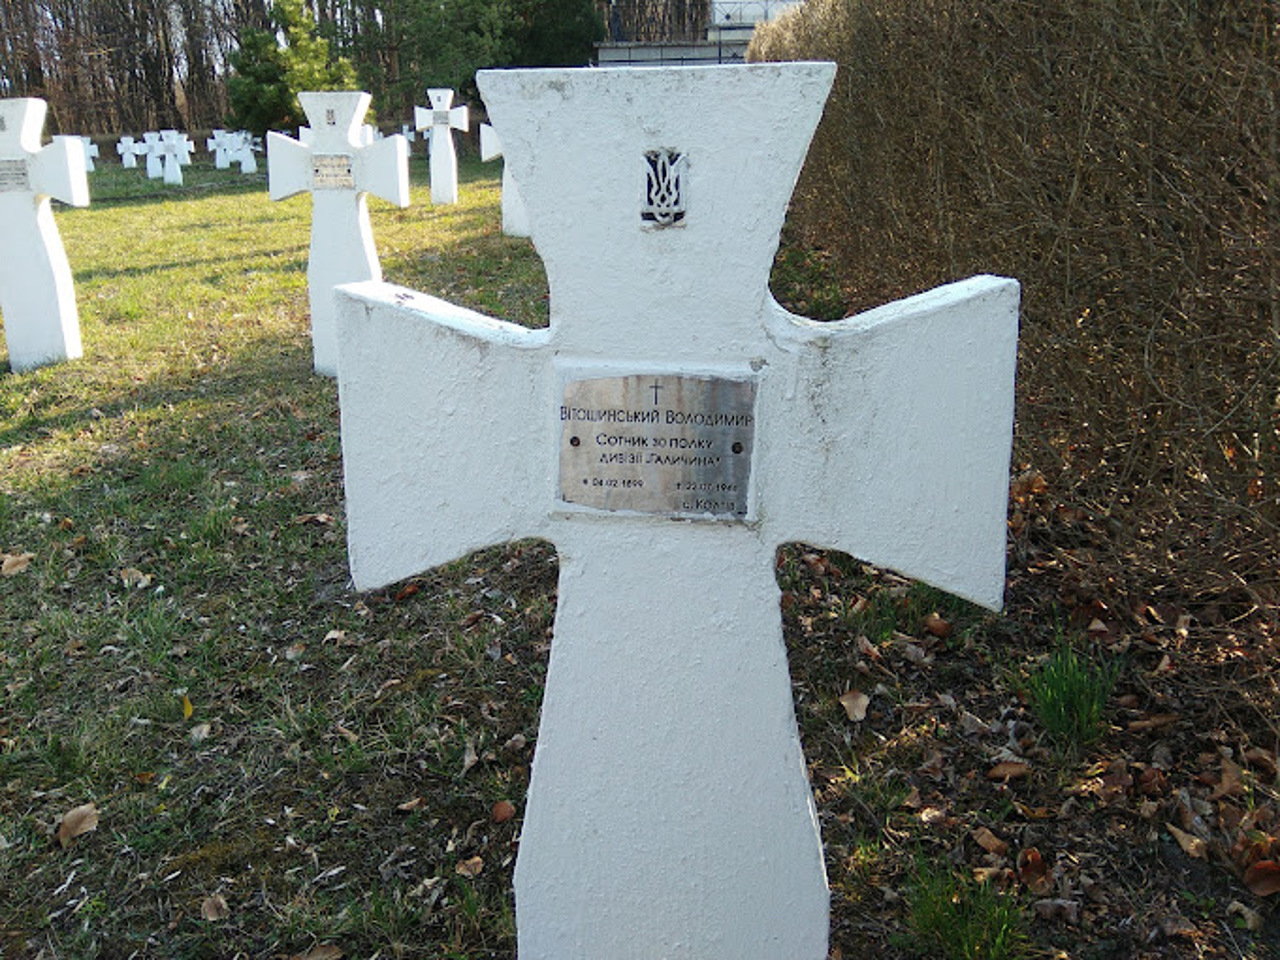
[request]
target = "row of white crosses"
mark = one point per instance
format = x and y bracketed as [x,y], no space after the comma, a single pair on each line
[233,146]
[667,432]
[37,293]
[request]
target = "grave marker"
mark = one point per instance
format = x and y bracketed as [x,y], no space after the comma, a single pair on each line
[220,144]
[670,429]
[90,154]
[338,171]
[439,123]
[153,150]
[37,292]
[515,220]
[128,148]
[176,150]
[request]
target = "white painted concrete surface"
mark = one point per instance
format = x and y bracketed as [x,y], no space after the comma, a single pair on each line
[37,291]
[342,247]
[669,814]
[515,219]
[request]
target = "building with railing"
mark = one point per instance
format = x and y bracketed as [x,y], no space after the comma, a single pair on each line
[658,32]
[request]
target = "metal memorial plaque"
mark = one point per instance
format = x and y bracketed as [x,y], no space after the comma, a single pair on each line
[332,172]
[13,176]
[664,444]
[439,117]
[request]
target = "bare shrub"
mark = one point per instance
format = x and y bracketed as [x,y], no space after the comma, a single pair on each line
[1122,159]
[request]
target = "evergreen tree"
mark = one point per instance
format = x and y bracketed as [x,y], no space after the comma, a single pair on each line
[273,66]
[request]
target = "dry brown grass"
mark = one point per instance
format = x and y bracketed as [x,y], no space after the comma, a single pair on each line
[1122,159]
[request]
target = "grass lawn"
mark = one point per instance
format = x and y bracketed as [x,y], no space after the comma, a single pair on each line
[280,767]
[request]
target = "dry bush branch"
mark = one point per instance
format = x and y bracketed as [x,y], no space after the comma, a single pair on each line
[1120,159]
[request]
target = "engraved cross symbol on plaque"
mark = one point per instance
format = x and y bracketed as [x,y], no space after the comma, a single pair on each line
[37,292]
[338,170]
[440,122]
[669,813]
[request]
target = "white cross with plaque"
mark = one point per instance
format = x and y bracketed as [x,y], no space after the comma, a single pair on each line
[128,149]
[37,292]
[439,123]
[515,220]
[670,429]
[338,171]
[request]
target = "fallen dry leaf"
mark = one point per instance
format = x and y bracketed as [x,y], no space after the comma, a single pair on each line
[1191,845]
[470,868]
[1252,918]
[410,805]
[989,842]
[1263,878]
[215,908]
[13,564]
[75,822]
[1034,872]
[1230,784]
[503,811]
[937,625]
[855,704]
[200,732]
[1009,770]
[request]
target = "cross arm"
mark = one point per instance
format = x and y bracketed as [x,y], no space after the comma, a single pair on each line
[382,168]
[288,166]
[58,171]
[910,431]
[445,439]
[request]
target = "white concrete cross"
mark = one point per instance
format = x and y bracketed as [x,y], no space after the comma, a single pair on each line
[515,219]
[153,149]
[220,144]
[90,154]
[440,122]
[338,171]
[239,150]
[176,149]
[128,148]
[407,131]
[670,429]
[37,292]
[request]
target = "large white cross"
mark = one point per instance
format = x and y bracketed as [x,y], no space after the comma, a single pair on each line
[515,219]
[338,171]
[37,292]
[669,430]
[440,122]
